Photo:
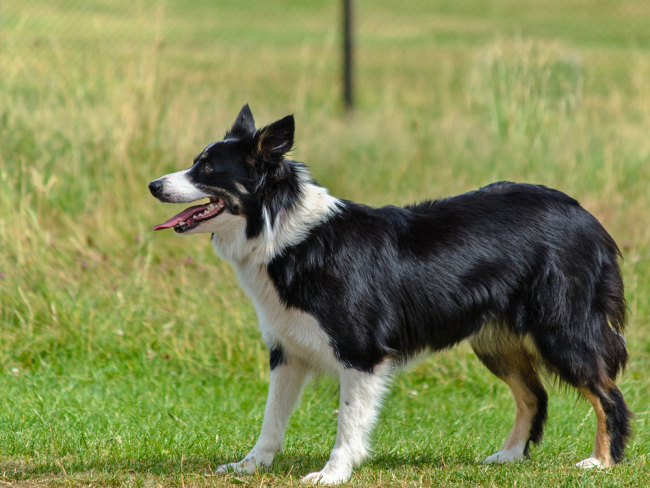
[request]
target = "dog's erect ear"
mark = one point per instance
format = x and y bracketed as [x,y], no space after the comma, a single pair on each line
[274,141]
[244,124]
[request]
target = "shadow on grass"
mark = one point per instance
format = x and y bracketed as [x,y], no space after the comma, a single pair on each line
[387,461]
[166,466]
[430,460]
[163,466]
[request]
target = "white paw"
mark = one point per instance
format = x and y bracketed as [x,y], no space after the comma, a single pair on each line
[248,465]
[329,475]
[590,463]
[502,457]
[244,466]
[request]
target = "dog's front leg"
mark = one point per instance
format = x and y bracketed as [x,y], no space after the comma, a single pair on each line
[287,381]
[359,405]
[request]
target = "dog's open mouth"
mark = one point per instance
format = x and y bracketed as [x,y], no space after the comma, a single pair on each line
[193,216]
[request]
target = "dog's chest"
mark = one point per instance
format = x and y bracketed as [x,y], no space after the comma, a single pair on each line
[297,332]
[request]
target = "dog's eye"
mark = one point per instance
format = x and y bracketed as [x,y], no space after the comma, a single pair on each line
[207,169]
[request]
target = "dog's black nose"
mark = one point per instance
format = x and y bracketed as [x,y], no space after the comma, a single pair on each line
[155,187]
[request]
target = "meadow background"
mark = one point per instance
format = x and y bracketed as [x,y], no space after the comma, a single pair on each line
[134,359]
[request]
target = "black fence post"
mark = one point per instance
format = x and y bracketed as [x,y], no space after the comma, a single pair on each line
[348,95]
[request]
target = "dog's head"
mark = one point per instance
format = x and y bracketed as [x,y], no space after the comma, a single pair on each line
[245,176]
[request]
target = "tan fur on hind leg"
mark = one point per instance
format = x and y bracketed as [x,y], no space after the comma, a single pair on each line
[601,455]
[511,359]
[526,407]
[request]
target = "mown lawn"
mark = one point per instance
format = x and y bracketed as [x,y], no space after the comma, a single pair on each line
[134,359]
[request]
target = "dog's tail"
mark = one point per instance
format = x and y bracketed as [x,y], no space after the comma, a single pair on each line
[611,299]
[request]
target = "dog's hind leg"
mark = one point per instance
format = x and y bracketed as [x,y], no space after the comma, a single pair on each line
[590,365]
[612,426]
[288,377]
[506,356]
[361,395]
[587,371]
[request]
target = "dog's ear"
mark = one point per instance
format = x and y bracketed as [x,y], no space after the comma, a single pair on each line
[244,124]
[274,141]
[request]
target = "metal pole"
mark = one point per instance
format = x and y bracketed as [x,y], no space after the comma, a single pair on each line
[347,55]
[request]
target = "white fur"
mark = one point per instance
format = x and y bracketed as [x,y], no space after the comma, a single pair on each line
[230,241]
[516,453]
[241,189]
[297,332]
[287,382]
[207,149]
[590,463]
[315,206]
[361,395]
[304,343]
[178,188]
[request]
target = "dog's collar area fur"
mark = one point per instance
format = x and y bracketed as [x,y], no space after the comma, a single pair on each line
[279,228]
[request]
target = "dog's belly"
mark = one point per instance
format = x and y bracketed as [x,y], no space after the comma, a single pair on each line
[297,332]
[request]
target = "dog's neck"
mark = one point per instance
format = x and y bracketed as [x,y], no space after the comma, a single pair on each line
[291,226]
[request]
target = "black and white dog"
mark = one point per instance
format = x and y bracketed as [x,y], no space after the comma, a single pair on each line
[522,271]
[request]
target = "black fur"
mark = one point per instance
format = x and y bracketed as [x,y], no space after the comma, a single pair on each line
[391,282]
[276,357]
[430,275]
[539,419]
[255,160]
[618,421]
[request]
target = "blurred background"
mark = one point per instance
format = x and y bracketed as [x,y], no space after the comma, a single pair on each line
[103,323]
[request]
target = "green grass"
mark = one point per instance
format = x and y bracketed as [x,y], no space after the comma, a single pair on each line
[128,359]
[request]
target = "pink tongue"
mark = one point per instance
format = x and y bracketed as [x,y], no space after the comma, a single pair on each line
[181,217]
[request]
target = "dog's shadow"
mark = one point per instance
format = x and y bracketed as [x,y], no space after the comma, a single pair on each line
[285,464]
[308,463]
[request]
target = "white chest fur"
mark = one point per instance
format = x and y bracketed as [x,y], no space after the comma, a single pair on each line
[297,332]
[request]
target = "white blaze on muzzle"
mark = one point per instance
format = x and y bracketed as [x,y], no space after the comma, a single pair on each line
[177,188]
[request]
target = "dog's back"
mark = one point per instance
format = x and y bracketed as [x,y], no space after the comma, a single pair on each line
[396,281]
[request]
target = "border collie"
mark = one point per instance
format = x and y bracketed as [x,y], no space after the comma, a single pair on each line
[522,271]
